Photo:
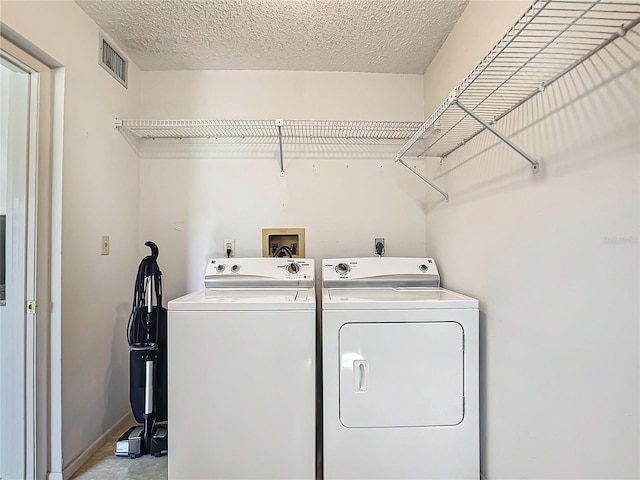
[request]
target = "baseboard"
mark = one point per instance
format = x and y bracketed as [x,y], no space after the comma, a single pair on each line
[118,427]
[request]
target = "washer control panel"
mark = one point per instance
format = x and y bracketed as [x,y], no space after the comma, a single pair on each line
[374,271]
[259,272]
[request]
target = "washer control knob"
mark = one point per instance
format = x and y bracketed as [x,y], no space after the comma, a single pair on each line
[423,268]
[342,268]
[220,268]
[293,268]
[235,268]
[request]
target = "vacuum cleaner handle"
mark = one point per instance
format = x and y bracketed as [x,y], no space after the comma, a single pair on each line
[154,249]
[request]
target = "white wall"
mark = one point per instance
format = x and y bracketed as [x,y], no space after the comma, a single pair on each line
[100,197]
[553,258]
[343,197]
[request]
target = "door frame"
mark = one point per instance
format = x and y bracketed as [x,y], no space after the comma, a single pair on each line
[44,444]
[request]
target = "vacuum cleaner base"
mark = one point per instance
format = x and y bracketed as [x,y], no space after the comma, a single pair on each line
[131,443]
[159,441]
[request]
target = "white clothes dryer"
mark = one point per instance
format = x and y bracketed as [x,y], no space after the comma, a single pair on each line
[400,372]
[241,372]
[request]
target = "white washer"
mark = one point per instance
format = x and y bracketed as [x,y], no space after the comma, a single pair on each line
[241,378]
[400,372]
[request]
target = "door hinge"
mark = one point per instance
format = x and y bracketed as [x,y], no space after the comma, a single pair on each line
[31,306]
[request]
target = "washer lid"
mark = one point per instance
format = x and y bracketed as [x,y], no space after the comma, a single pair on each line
[246,299]
[393,298]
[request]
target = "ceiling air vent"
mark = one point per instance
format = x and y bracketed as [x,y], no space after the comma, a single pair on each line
[113,62]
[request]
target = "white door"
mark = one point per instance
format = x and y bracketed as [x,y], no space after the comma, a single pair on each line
[401,374]
[17,210]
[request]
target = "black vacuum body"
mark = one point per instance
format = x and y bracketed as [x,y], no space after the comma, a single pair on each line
[147,337]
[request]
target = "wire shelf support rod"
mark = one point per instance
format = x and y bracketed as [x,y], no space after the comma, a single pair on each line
[425,179]
[535,165]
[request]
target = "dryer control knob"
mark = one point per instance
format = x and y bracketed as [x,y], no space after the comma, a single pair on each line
[423,268]
[235,268]
[342,268]
[220,268]
[293,268]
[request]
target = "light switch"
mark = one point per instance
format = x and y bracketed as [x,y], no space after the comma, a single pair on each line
[105,245]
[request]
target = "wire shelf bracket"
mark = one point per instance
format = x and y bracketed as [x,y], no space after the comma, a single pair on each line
[425,179]
[527,157]
[279,125]
[550,39]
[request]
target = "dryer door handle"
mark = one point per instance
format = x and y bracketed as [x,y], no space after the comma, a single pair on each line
[360,375]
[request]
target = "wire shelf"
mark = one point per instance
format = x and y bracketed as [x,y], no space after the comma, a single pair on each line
[550,39]
[269,131]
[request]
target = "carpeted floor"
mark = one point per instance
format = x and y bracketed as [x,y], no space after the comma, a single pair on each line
[104,465]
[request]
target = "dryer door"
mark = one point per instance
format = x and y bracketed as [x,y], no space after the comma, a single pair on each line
[401,374]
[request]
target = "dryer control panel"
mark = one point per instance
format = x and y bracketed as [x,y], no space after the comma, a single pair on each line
[380,271]
[259,272]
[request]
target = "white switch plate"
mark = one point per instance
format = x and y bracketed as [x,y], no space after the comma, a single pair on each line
[105,245]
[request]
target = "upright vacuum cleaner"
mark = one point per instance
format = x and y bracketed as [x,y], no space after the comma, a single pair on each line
[147,337]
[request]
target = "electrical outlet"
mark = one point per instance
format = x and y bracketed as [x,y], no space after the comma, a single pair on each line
[105,245]
[230,248]
[378,246]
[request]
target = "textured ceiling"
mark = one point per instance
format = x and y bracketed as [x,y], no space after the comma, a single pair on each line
[381,36]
